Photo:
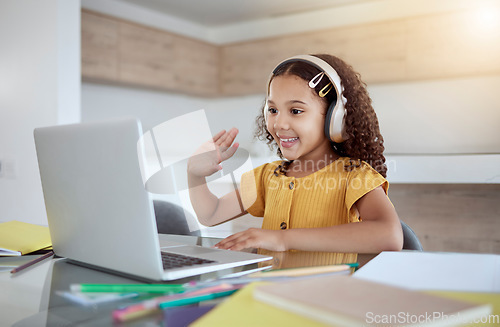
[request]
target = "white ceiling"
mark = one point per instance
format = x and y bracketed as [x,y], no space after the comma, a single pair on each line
[212,13]
[229,21]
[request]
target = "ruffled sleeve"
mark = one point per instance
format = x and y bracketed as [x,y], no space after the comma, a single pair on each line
[360,181]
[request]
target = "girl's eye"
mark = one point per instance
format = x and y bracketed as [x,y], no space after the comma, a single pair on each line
[272,110]
[297,111]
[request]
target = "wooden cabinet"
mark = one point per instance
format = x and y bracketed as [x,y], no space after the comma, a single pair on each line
[429,47]
[146,57]
[451,217]
[196,66]
[120,52]
[99,47]
[445,45]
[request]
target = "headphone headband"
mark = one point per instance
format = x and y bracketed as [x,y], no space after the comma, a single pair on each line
[335,117]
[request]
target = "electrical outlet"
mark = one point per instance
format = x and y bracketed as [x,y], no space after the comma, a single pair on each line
[7,168]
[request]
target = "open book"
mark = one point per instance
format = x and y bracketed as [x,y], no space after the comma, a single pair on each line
[347,301]
[19,238]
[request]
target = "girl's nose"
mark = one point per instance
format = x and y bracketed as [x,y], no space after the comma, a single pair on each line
[281,122]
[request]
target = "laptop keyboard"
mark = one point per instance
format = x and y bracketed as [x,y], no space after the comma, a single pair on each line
[172,260]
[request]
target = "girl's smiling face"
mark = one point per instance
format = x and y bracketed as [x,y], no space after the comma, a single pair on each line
[296,119]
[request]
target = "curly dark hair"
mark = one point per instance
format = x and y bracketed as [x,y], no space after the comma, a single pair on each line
[364,141]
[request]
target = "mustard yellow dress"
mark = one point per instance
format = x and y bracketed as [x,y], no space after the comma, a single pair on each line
[322,199]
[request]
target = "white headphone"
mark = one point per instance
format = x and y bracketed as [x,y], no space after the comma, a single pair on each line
[335,115]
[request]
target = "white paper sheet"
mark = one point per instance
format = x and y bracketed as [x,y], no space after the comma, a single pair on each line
[463,272]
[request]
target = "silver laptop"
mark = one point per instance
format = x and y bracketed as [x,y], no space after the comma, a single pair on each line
[98,210]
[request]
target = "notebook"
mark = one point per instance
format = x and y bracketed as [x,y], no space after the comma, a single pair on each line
[98,210]
[348,301]
[19,238]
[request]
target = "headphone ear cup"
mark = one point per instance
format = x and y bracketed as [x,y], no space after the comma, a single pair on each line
[328,121]
[335,122]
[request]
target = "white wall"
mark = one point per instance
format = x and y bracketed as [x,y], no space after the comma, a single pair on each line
[460,115]
[100,102]
[449,116]
[39,86]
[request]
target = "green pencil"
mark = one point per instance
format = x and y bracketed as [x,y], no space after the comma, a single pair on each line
[127,288]
[195,299]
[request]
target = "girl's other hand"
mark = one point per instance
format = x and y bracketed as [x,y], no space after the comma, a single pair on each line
[207,158]
[254,238]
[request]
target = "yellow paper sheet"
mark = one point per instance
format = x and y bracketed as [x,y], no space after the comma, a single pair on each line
[240,309]
[19,238]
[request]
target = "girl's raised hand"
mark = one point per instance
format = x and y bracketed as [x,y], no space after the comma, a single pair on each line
[207,158]
[272,240]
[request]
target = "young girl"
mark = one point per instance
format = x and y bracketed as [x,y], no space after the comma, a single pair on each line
[330,192]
